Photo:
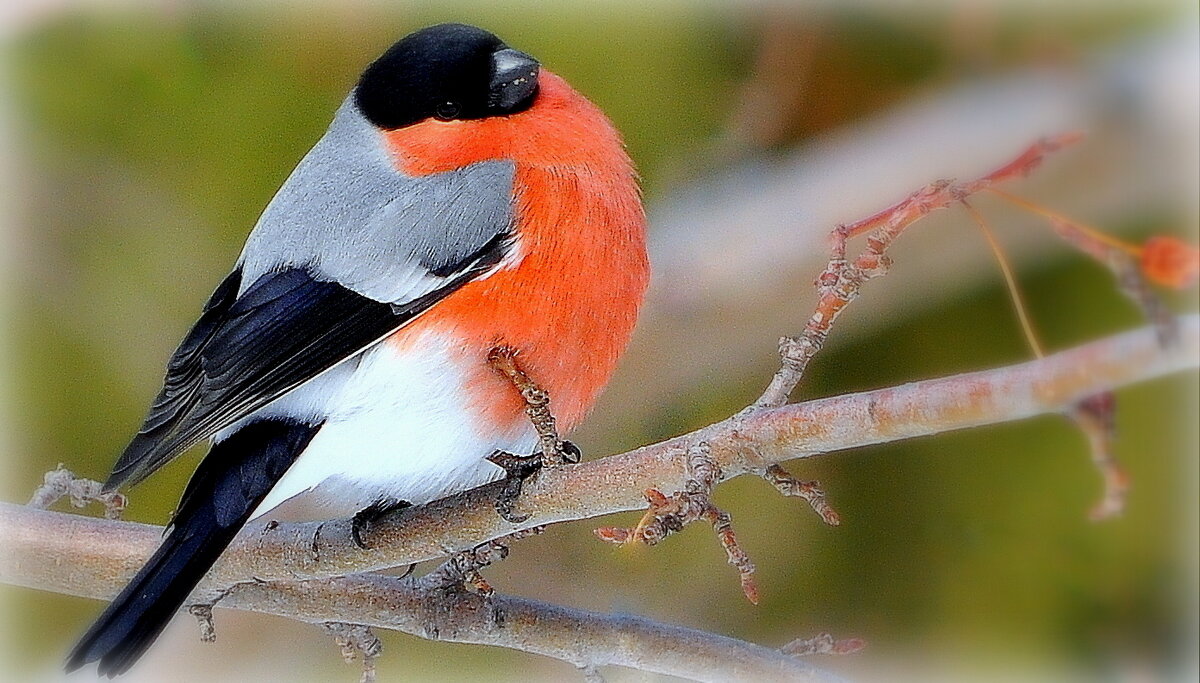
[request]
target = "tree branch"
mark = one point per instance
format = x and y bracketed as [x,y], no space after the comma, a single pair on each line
[840,282]
[582,638]
[100,565]
[739,445]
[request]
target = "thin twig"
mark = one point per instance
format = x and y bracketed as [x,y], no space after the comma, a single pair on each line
[63,483]
[1096,418]
[810,491]
[1125,271]
[840,282]
[204,619]
[668,514]
[1010,282]
[1170,263]
[356,642]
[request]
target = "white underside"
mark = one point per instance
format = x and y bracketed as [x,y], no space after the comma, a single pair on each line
[396,425]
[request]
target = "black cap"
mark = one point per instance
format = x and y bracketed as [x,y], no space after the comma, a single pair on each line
[448,71]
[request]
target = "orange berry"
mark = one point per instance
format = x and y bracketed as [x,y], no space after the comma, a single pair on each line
[1170,262]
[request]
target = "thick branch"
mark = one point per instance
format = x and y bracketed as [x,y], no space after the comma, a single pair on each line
[582,638]
[738,445]
[585,639]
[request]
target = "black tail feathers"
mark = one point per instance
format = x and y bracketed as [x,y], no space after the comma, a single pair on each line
[232,480]
[137,616]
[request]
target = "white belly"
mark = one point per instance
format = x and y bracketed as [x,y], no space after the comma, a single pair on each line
[397,425]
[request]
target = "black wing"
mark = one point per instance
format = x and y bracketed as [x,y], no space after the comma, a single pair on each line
[246,351]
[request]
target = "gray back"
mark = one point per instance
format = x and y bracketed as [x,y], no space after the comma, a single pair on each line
[348,215]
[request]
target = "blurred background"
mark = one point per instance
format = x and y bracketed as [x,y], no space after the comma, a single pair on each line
[144,138]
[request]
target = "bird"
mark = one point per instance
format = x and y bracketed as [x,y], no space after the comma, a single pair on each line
[463,199]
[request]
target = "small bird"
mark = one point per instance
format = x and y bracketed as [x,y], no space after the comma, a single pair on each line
[462,200]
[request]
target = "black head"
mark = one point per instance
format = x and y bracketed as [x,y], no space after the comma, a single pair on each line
[448,71]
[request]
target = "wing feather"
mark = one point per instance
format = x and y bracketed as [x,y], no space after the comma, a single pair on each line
[244,352]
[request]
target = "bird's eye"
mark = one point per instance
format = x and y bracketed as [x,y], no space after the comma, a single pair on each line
[447,110]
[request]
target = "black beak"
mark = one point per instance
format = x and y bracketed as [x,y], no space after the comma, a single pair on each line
[514,80]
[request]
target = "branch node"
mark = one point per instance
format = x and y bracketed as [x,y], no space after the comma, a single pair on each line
[823,644]
[722,524]
[668,514]
[810,491]
[704,472]
[357,641]
[457,585]
[204,618]
[61,482]
[462,569]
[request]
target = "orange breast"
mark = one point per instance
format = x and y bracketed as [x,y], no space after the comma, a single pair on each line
[570,304]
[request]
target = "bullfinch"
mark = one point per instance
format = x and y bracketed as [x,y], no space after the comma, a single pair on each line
[463,199]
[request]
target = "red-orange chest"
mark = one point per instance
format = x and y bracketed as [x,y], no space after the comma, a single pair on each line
[567,300]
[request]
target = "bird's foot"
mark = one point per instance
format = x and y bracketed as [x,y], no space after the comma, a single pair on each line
[517,469]
[555,451]
[366,517]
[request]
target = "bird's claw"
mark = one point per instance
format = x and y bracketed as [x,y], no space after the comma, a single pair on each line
[517,469]
[569,451]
